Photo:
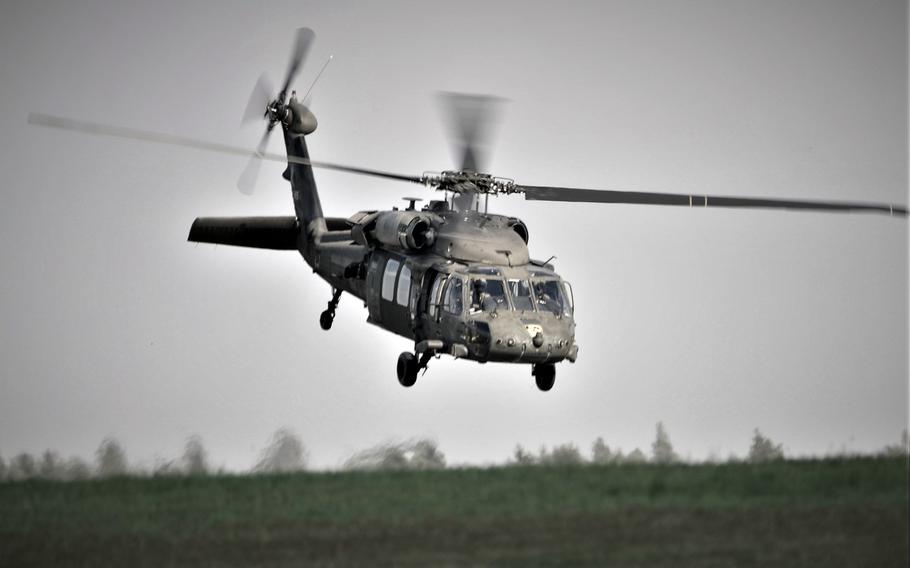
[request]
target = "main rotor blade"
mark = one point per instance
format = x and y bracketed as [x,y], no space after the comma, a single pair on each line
[471,119]
[97,129]
[571,194]
[352,169]
[304,38]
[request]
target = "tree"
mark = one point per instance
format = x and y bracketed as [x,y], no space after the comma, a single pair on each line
[76,469]
[284,453]
[51,466]
[763,449]
[635,456]
[543,455]
[110,458]
[413,454]
[564,454]
[2,469]
[425,455]
[662,449]
[195,458]
[521,456]
[22,466]
[601,453]
[900,449]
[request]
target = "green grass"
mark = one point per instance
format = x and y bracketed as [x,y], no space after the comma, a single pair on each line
[838,512]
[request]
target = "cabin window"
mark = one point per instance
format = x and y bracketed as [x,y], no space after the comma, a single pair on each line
[521,295]
[388,279]
[404,286]
[454,296]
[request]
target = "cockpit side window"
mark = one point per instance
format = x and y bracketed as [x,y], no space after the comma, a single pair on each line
[454,296]
[550,297]
[570,295]
[435,291]
[521,295]
[488,294]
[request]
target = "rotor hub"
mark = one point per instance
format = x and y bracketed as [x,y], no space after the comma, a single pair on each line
[462,181]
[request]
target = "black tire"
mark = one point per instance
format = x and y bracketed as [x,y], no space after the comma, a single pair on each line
[407,369]
[545,375]
[326,319]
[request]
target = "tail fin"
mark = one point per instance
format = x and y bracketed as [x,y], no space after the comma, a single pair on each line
[303,187]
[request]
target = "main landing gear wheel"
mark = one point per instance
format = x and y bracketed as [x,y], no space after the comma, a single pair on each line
[328,316]
[407,369]
[325,320]
[544,375]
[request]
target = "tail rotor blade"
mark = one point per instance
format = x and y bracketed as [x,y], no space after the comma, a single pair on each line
[303,40]
[246,183]
[262,93]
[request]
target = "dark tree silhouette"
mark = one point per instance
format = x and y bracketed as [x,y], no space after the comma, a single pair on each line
[110,458]
[763,449]
[426,455]
[563,454]
[900,449]
[76,469]
[22,466]
[284,453]
[522,457]
[636,456]
[662,449]
[51,466]
[601,453]
[413,454]
[195,458]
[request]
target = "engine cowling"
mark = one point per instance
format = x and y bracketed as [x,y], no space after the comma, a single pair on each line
[410,230]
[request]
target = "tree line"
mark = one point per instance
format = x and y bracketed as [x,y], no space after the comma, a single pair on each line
[285,452]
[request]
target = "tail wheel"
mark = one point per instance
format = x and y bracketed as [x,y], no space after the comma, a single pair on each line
[544,375]
[407,369]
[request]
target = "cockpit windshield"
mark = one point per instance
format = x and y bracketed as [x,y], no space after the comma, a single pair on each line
[550,296]
[488,294]
[521,295]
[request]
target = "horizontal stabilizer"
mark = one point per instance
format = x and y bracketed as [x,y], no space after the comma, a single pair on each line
[277,233]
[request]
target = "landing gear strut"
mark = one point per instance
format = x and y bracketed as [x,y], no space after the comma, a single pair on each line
[328,316]
[544,375]
[409,365]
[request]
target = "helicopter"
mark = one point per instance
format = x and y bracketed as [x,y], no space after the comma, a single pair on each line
[450,276]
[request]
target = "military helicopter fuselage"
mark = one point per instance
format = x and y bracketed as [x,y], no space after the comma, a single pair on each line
[458,282]
[450,277]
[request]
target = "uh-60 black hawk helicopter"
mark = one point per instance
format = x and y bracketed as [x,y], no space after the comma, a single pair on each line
[450,276]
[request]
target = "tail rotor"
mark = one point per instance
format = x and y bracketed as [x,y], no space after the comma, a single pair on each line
[264,104]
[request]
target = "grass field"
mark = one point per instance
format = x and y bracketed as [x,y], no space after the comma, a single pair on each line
[836,512]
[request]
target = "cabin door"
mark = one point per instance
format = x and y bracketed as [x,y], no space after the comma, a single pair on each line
[395,296]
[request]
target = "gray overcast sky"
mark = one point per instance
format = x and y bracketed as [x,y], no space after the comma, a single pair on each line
[714,321]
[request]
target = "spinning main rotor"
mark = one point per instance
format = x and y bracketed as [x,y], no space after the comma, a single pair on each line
[471,117]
